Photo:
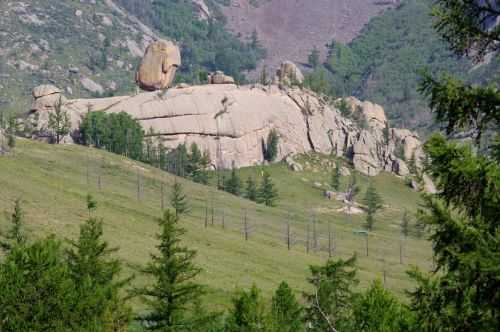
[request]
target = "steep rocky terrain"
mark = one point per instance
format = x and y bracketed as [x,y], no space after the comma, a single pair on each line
[291,29]
[90,47]
[232,123]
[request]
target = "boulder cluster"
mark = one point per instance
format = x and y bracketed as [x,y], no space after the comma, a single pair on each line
[232,122]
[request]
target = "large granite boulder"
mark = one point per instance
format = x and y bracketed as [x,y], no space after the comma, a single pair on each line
[289,74]
[220,78]
[159,65]
[231,122]
[45,97]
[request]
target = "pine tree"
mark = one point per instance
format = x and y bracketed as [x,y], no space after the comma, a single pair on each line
[352,188]
[462,293]
[15,235]
[248,313]
[11,133]
[267,194]
[233,183]
[286,312]
[178,200]
[335,179]
[373,203]
[99,305]
[329,306]
[36,290]
[173,292]
[271,149]
[251,190]
[59,121]
[378,310]
[313,58]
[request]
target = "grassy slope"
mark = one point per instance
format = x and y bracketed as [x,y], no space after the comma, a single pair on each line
[52,182]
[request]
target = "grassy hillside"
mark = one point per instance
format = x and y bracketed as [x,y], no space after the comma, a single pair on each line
[52,182]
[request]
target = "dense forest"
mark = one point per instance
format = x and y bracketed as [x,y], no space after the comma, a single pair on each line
[384,64]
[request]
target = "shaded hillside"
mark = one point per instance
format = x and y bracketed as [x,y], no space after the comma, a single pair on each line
[382,64]
[52,182]
[289,30]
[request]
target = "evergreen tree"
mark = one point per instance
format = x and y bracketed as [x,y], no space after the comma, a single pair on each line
[329,306]
[377,310]
[173,292]
[11,133]
[178,200]
[251,190]
[248,313]
[59,121]
[267,194]
[336,174]
[233,183]
[387,133]
[373,203]
[264,76]
[271,148]
[36,290]
[15,235]
[313,58]
[462,293]
[99,305]
[286,312]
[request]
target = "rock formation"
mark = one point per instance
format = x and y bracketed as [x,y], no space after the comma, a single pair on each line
[220,78]
[231,122]
[45,99]
[289,73]
[159,65]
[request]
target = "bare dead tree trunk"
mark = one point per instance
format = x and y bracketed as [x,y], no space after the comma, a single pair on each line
[245,225]
[366,244]
[307,238]
[162,196]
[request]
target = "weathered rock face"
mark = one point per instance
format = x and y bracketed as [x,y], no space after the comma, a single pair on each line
[45,99]
[220,78]
[231,122]
[289,73]
[159,65]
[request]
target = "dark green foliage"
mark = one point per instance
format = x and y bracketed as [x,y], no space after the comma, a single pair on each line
[11,132]
[205,45]
[318,81]
[15,235]
[286,312]
[352,188]
[377,310]
[470,27]
[248,313]
[251,190]
[387,133]
[36,289]
[173,292]
[99,305]
[192,164]
[382,64]
[330,303]
[178,200]
[335,178]
[313,58]
[462,106]
[116,132]
[233,183]
[271,147]
[59,121]
[344,108]
[462,294]
[267,194]
[373,203]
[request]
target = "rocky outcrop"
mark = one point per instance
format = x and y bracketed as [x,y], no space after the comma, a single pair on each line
[220,78]
[231,122]
[289,74]
[159,65]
